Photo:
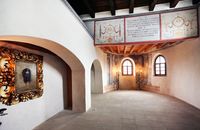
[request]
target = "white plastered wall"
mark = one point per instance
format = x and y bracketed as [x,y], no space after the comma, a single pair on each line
[52,20]
[26,115]
[183,72]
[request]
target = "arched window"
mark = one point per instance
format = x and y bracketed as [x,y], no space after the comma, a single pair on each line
[127,67]
[160,68]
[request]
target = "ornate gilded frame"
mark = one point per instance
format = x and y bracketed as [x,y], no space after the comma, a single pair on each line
[8,91]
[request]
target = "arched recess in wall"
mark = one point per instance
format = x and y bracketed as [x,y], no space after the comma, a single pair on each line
[77,69]
[130,59]
[96,77]
[127,82]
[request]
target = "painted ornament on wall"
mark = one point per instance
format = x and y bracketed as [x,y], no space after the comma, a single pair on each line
[109,31]
[180,24]
[21,76]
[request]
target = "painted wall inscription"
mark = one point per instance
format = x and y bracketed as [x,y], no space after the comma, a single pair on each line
[143,28]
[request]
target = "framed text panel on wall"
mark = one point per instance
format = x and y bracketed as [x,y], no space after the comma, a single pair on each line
[143,28]
[180,24]
[109,31]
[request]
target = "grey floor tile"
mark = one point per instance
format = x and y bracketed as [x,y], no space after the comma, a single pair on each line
[128,110]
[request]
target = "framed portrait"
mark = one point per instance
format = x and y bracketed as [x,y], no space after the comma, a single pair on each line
[25,76]
[21,76]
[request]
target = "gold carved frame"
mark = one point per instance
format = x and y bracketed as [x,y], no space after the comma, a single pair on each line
[10,59]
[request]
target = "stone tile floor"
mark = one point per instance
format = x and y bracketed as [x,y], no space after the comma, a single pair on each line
[128,110]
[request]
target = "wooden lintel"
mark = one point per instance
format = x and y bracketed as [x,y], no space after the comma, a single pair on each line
[173,3]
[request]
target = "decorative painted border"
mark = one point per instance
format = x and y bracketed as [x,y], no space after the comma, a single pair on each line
[152,41]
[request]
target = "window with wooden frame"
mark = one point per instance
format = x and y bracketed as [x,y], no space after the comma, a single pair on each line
[160,68]
[127,68]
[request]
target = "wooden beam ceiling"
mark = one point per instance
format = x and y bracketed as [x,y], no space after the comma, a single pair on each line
[195,1]
[118,49]
[173,3]
[142,48]
[112,49]
[132,49]
[125,49]
[93,6]
[90,8]
[112,6]
[152,5]
[136,49]
[151,48]
[131,6]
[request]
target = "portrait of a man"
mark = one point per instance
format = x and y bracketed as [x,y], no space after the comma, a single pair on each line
[25,76]
[26,73]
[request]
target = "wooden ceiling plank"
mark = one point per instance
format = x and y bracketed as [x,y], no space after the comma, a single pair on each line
[111,49]
[160,45]
[151,47]
[112,6]
[152,5]
[89,7]
[173,3]
[118,49]
[125,49]
[147,47]
[131,6]
[132,49]
[142,48]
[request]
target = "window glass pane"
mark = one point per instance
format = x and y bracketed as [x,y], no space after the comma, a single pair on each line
[129,72]
[157,69]
[157,72]
[129,64]
[125,63]
[162,72]
[158,60]
[162,69]
[129,68]
[162,60]
[162,65]
[124,70]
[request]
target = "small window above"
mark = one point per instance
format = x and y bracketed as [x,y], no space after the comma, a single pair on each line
[127,68]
